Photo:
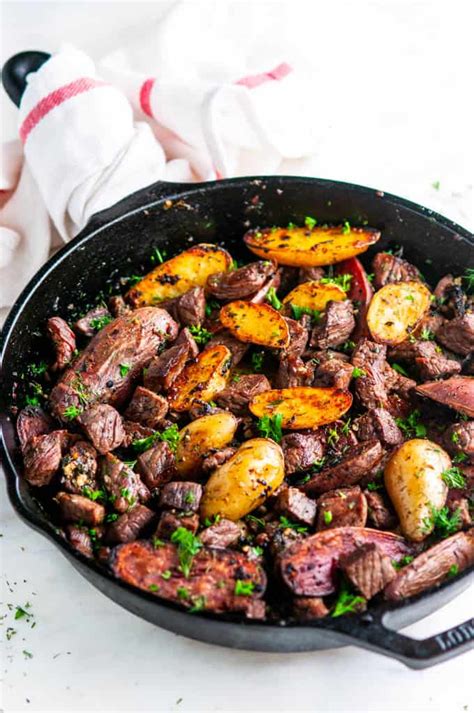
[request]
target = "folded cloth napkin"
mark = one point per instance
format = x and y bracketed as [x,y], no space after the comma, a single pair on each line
[92,135]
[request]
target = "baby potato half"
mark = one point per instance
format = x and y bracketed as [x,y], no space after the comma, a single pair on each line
[201,436]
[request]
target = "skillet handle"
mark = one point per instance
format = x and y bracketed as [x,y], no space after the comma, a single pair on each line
[371,634]
[15,69]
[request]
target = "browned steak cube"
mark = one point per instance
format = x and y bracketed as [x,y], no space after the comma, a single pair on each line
[457,334]
[80,539]
[170,520]
[42,457]
[123,485]
[129,525]
[91,323]
[165,368]
[389,268]
[181,496]
[79,467]
[359,460]
[224,533]
[379,513]
[102,424]
[157,465]
[217,459]
[333,372]
[378,423]
[146,407]
[64,341]
[77,508]
[32,421]
[335,326]
[301,449]
[135,432]
[369,569]
[296,506]
[459,507]
[345,507]
[118,306]
[236,396]
[307,608]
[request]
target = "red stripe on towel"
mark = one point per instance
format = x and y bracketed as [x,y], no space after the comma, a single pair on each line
[51,101]
[145,94]
[255,80]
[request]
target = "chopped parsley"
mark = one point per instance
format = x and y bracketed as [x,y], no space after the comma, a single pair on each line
[460,458]
[188,547]
[93,494]
[124,369]
[348,346]
[298,312]
[411,425]
[153,587]
[347,602]
[327,517]
[270,427]
[310,222]
[333,436]
[189,498]
[272,298]
[27,654]
[198,604]
[166,574]
[399,369]
[125,493]
[156,542]
[427,335]
[71,412]
[403,562]
[38,369]
[243,589]
[21,612]
[374,486]
[257,361]
[111,517]
[170,435]
[442,521]
[211,305]
[453,570]
[435,185]
[356,372]
[453,477]
[257,520]
[288,524]
[342,281]
[157,256]
[346,228]
[410,298]
[200,334]
[468,278]
[182,593]
[98,323]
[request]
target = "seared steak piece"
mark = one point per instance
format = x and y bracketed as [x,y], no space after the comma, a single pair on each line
[456,392]
[346,507]
[236,396]
[293,371]
[97,376]
[432,363]
[459,506]
[307,274]
[146,407]
[80,539]
[335,326]
[307,608]
[185,337]
[181,496]
[192,307]
[236,348]
[42,457]
[134,432]
[79,467]
[379,513]
[117,306]
[123,485]
[217,459]
[370,386]
[295,505]
[379,424]
[165,368]
[309,565]
[450,296]
[360,460]
[433,566]
[102,424]
[333,372]
[157,465]
[77,508]
[87,325]
[201,408]
[369,569]
[299,336]
[64,341]
[388,268]
[457,335]
[241,283]
[224,533]
[129,525]
[170,520]
[459,438]
[212,580]
[32,421]
[301,449]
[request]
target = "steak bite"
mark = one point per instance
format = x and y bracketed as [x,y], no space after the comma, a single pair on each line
[456,392]
[123,485]
[237,349]
[146,408]
[388,268]
[369,359]
[129,525]
[117,306]
[360,460]
[165,368]
[42,457]
[459,438]
[301,449]
[457,335]
[241,283]
[32,421]
[433,566]
[379,513]
[77,508]
[93,321]
[135,432]
[299,336]
[192,307]
[307,608]
[79,467]
[368,569]
[333,372]
[170,520]
[432,363]
[224,533]
[80,539]
[293,371]
[64,341]
[185,337]
[295,505]
[102,424]
[378,424]
[459,508]
[236,396]
[157,465]
[216,459]
[335,327]
[216,581]
[346,507]
[181,496]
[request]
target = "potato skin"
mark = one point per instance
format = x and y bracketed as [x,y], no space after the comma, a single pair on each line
[301,247]
[415,486]
[201,436]
[302,406]
[202,379]
[255,323]
[176,276]
[245,481]
[396,309]
[314,295]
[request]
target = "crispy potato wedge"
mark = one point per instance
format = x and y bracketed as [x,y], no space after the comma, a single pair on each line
[302,406]
[201,436]
[202,379]
[245,480]
[413,481]
[396,309]
[255,323]
[174,277]
[301,247]
[314,295]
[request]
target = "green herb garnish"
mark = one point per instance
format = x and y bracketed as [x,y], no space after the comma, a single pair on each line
[188,547]
[453,570]
[270,427]
[399,369]
[98,323]
[347,602]
[243,589]
[298,312]
[71,412]
[411,425]
[327,517]
[342,281]
[310,222]
[200,334]
[124,369]
[356,372]
[453,477]
[273,299]
[443,522]
[285,524]
[170,435]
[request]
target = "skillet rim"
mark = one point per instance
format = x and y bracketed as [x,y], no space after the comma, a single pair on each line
[153,196]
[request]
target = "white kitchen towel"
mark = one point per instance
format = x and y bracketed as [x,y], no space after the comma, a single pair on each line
[92,135]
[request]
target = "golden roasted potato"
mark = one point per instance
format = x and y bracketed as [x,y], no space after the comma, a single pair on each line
[314,295]
[302,406]
[396,309]
[200,436]
[202,379]
[176,276]
[258,324]
[415,486]
[245,481]
[302,247]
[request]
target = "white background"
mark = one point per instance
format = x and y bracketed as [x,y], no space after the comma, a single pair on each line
[394,80]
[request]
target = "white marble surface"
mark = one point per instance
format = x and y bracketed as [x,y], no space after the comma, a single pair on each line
[394,80]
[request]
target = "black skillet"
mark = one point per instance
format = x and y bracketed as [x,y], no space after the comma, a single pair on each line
[118,242]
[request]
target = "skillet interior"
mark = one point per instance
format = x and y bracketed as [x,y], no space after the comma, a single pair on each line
[119,242]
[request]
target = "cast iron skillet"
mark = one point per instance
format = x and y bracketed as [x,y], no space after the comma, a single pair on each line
[118,242]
